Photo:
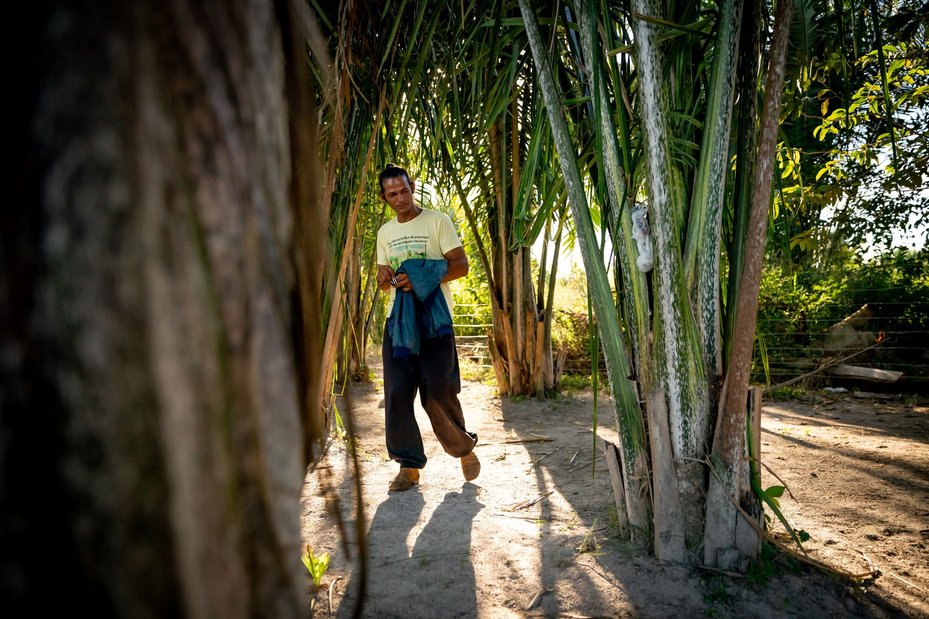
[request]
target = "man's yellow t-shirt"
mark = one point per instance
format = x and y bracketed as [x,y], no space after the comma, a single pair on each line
[430,234]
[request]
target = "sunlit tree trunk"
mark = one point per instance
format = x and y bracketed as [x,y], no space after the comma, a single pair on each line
[519,344]
[725,490]
[678,359]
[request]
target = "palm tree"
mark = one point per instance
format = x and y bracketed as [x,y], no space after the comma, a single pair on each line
[480,123]
[677,358]
[618,99]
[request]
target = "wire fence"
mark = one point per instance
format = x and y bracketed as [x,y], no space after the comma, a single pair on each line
[787,347]
[472,322]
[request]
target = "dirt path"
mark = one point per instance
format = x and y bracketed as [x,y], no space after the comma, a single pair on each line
[858,468]
[453,549]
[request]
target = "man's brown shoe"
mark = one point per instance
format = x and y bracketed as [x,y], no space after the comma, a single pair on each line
[470,466]
[405,479]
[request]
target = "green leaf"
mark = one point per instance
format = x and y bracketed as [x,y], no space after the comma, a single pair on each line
[315,565]
[775,491]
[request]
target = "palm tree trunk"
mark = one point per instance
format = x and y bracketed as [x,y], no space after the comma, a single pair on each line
[339,288]
[747,70]
[679,369]
[629,415]
[702,252]
[720,547]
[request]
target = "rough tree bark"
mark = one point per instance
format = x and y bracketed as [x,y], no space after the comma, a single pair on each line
[720,549]
[150,405]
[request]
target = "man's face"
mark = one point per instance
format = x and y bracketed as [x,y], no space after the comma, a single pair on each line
[398,193]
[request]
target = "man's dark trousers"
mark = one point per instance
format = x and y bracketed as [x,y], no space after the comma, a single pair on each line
[434,372]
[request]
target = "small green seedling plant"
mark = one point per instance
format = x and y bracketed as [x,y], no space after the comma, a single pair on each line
[316,565]
[716,594]
[770,496]
[769,564]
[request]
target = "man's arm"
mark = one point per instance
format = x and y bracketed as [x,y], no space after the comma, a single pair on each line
[457,264]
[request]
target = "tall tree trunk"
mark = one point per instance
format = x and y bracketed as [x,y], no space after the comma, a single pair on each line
[149,385]
[633,450]
[517,336]
[341,282]
[679,368]
[720,547]
[747,70]
[702,251]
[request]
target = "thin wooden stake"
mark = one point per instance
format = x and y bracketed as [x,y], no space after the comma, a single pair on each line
[331,585]
[541,439]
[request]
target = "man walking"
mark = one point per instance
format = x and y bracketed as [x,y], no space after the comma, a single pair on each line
[418,253]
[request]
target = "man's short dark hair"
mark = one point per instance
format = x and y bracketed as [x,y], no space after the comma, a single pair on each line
[392,171]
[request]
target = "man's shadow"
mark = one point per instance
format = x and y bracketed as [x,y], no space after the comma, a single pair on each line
[386,543]
[437,577]
[442,556]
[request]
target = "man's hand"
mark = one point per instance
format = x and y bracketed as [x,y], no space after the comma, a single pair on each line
[404,283]
[384,276]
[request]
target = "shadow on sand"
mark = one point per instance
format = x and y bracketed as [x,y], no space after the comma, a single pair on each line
[436,571]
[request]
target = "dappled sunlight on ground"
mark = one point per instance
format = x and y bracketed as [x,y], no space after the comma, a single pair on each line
[535,533]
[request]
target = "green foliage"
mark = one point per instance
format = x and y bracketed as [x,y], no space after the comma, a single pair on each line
[854,152]
[571,331]
[575,382]
[477,373]
[774,493]
[795,309]
[770,563]
[571,328]
[716,593]
[764,567]
[338,425]
[315,565]
[770,498]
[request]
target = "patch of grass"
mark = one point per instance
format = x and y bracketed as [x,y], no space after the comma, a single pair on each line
[716,594]
[476,373]
[613,517]
[574,382]
[785,603]
[788,393]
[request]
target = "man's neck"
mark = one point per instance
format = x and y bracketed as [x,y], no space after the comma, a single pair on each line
[416,211]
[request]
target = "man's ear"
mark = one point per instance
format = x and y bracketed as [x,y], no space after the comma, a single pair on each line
[412,186]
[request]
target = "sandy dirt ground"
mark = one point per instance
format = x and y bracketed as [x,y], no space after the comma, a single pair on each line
[858,469]
[535,536]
